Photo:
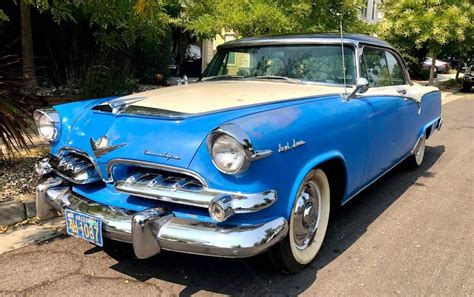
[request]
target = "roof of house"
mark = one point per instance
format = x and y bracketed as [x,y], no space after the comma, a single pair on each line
[313,38]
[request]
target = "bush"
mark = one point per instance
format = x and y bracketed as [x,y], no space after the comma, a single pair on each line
[424,74]
[107,75]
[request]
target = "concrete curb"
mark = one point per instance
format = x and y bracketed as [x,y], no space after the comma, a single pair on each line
[12,212]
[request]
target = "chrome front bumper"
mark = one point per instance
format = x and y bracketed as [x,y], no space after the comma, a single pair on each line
[155,229]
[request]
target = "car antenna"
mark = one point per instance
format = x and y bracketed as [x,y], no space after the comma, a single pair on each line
[343,60]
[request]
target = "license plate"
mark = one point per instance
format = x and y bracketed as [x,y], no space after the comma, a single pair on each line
[84,226]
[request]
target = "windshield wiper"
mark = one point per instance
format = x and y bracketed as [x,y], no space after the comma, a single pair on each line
[224,76]
[276,77]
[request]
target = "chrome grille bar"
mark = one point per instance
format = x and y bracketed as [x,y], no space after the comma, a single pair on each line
[74,167]
[166,187]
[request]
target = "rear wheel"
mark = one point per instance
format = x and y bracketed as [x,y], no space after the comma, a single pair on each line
[308,224]
[415,160]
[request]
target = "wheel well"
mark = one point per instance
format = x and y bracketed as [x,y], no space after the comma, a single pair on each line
[428,132]
[336,172]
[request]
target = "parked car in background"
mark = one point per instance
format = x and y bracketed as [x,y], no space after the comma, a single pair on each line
[468,78]
[252,158]
[441,66]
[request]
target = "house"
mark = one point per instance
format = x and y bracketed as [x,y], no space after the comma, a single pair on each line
[372,13]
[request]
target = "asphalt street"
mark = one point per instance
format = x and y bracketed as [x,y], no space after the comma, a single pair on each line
[411,233]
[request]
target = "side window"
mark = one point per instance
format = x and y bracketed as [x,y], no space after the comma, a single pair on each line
[395,69]
[377,72]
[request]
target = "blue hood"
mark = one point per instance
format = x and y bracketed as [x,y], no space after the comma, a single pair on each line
[179,137]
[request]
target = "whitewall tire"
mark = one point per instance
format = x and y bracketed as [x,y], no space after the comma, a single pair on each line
[416,159]
[308,224]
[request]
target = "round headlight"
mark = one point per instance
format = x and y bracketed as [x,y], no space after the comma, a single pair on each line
[47,122]
[228,154]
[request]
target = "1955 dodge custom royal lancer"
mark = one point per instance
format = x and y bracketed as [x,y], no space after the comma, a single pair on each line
[253,157]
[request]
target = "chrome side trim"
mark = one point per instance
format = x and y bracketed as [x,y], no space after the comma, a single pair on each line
[440,124]
[155,229]
[151,165]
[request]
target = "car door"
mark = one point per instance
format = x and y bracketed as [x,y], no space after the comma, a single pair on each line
[387,108]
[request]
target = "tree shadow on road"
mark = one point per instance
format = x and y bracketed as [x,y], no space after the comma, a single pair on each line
[255,275]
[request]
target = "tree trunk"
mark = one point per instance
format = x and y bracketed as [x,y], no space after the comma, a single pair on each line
[29,75]
[432,70]
[458,70]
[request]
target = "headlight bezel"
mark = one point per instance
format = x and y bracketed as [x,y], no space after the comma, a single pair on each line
[242,140]
[52,116]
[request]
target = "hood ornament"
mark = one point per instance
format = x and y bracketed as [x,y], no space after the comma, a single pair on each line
[102,146]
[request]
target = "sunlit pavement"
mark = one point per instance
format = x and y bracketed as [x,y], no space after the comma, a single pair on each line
[411,234]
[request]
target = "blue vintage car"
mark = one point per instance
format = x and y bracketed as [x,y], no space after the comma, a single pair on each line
[253,157]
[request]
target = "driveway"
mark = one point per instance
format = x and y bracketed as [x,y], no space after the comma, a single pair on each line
[411,233]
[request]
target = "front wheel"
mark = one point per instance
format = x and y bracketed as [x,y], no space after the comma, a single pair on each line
[308,224]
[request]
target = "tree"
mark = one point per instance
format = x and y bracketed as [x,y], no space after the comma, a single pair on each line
[209,18]
[29,72]
[434,24]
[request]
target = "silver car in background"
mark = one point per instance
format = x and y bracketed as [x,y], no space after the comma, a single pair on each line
[441,66]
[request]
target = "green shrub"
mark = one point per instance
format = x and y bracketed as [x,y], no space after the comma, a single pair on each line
[107,75]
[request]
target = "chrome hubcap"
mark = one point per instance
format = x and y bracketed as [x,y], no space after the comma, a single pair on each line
[306,215]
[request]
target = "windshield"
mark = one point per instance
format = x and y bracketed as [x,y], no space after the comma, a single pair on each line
[304,63]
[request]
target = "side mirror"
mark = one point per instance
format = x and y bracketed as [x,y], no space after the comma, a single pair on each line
[362,86]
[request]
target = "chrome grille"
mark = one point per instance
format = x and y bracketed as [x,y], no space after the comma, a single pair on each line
[166,186]
[75,167]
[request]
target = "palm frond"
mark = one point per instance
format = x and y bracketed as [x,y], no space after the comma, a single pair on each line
[16,108]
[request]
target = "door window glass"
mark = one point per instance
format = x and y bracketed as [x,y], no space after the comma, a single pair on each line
[376,67]
[395,70]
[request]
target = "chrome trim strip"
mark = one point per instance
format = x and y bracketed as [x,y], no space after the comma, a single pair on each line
[154,229]
[151,165]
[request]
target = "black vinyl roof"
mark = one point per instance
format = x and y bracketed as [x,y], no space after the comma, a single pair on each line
[313,38]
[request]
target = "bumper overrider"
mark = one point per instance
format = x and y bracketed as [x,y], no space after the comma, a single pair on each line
[156,229]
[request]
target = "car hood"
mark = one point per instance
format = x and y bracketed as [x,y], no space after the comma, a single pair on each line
[218,95]
[168,139]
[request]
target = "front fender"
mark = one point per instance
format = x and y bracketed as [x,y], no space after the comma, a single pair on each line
[69,113]
[330,127]
[310,165]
